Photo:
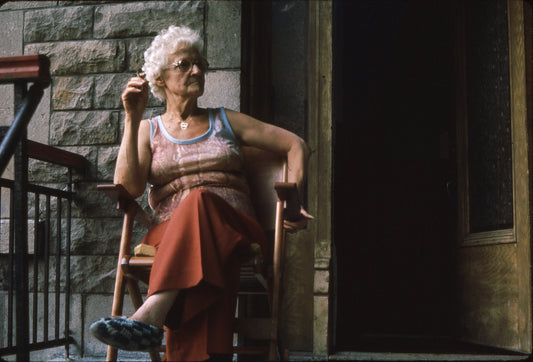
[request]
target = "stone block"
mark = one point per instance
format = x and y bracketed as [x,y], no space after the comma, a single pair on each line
[90,155]
[95,236]
[222,89]
[5,195]
[82,57]
[4,236]
[322,263]
[107,158]
[93,274]
[41,172]
[7,109]
[144,18]
[83,2]
[320,325]
[83,128]
[153,102]
[136,48]
[321,285]
[10,44]
[323,250]
[72,93]
[56,24]
[44,274]
[92,203]
[53,211]
[108,90]
[12,27]
[23,5]
[223,30]
[150,113]
[4,275]
[96,307]
[39,126]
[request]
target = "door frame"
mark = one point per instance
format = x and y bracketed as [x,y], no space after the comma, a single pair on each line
[320,180]
[517,238]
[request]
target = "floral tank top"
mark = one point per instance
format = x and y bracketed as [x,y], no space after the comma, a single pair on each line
[212,161]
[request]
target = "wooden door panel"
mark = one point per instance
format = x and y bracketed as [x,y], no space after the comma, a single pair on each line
[488,302]
[494,267]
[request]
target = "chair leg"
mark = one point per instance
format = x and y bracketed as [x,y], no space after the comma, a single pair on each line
[111,354]
[119,291]
[155,357]
[116,310]
[137,301]
[135,293]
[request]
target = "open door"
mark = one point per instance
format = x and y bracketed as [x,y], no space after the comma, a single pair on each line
[494,266]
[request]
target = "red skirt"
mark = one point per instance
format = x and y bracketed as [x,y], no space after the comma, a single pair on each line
[197,253]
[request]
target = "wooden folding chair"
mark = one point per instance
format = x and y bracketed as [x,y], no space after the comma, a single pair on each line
[272,198]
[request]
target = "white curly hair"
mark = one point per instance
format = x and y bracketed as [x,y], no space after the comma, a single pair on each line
[166,43]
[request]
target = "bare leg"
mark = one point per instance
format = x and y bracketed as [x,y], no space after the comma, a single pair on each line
[155,308]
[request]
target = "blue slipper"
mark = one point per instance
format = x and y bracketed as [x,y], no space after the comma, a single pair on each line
[127,334]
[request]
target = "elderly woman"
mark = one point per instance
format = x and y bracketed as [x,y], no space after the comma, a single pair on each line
[202,213]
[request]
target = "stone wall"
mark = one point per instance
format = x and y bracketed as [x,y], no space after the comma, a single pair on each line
[94,47]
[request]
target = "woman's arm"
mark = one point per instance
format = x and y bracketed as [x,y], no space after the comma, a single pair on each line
[134,156]
[133,161]
[252,132]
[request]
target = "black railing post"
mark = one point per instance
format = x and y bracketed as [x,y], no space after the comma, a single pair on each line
[67,281]
[21,234]
[20,71]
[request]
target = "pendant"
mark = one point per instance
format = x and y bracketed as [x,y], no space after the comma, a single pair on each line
[184,125]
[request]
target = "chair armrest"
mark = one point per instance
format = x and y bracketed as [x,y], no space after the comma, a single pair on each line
[115,192]
[288,192]
[123,198]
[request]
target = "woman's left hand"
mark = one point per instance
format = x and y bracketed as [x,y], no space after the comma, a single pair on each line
[300,223]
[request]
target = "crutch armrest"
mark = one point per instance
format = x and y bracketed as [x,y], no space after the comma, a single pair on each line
[115,192]
[288,192]
[118,193]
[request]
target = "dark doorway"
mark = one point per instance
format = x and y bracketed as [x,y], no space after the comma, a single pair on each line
[393,210]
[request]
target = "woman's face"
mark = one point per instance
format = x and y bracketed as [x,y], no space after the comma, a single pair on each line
[184,75]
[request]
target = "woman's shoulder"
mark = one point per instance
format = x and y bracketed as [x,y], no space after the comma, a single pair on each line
[221,125]
[146,129]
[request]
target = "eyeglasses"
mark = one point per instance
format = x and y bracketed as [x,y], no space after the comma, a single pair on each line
[184,65]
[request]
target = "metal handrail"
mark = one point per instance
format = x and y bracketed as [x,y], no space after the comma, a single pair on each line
[21,70]
[18,127]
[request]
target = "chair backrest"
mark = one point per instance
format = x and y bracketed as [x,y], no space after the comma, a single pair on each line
[263,169]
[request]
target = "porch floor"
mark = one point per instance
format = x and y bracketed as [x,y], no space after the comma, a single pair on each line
[395,356]
[347,356]
[372,348]
[417,348]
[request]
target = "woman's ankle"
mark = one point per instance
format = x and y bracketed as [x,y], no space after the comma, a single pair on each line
[155,308]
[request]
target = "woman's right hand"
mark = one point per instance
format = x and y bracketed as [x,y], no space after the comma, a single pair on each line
[135,97]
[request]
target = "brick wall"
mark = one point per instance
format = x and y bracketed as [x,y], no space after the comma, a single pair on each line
[94,47]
